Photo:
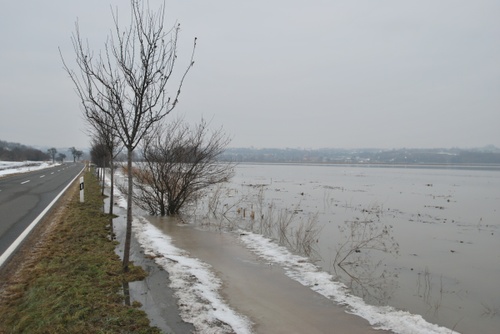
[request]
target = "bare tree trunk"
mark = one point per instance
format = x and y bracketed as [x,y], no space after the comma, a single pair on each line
[162,206]
[111,188]
[126,88]
[103,178]
[128,234]
[111,199]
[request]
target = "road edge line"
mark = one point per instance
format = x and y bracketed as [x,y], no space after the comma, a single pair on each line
[13,247]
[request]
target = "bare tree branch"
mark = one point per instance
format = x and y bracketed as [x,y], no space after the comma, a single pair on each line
[179,163]
[125,88]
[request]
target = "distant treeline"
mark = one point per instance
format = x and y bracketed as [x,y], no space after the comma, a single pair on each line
[18,152]
[486,155]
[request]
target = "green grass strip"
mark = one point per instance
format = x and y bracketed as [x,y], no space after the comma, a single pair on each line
[75,284]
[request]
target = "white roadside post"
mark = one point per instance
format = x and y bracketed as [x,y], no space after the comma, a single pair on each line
[81,189]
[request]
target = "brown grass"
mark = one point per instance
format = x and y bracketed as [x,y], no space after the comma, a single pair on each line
[72,283]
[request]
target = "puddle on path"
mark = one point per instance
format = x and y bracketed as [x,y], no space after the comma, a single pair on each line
[262,292]
[154,293]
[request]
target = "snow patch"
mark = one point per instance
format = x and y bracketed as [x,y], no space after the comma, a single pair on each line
[14,167]
[300,269]
[195,284]
[197,288]
[200,303]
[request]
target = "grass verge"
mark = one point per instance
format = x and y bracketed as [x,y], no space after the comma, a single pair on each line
[74,281]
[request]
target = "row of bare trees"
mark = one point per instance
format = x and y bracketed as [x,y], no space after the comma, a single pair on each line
[61,156]
[126,91]
[77,154]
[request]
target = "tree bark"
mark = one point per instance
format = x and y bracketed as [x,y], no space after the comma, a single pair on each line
[103,178]
[128,234]
[111,189]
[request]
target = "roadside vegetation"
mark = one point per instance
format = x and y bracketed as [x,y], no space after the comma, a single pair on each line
[129,88]
[73,282]
[18,152]
[179,164]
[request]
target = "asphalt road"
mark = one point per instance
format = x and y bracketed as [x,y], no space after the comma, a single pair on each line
[23,197]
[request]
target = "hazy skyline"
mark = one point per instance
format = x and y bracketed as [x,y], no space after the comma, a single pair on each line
[308,74]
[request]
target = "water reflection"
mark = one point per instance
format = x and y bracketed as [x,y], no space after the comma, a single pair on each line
[359,257]
[490,311]
[435,291]
[228,209]
[445,221]
[126,293]
[110,227]
[375,283]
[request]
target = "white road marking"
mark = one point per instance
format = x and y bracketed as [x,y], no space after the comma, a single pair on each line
[42,176]
[25,182]
[51,173]
[17,242]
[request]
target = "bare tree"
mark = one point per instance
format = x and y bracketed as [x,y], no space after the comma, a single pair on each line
[99,154]
[178,164]
[75,153]
[106,137]
[61,157]
[52,152]
[101,157]
[79,155]
[127,82]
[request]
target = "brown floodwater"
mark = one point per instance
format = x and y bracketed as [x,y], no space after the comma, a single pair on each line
[274,302]
[441,253]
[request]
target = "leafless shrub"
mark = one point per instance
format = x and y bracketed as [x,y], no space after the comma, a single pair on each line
[306,235]
[284,225]
[214,201]
[267,221]
[283,221]
[179,162]
[220,209]
[363,237]
[252,212]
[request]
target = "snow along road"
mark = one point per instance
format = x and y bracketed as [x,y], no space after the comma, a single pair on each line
[26,197]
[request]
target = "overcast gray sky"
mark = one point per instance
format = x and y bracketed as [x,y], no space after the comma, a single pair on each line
[280,73]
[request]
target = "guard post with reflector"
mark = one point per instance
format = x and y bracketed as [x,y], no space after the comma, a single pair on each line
[81,189]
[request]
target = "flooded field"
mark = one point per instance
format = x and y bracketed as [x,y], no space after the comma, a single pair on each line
[423,240]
